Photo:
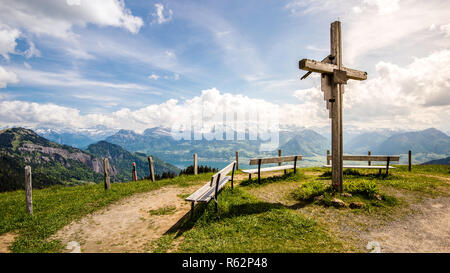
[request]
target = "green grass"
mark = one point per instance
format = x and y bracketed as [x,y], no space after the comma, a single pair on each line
[361,190]
[163,211]
[289,176]
[421,179]
[57,206]
[308,190]
[246,224]
[366,188]
[443,170]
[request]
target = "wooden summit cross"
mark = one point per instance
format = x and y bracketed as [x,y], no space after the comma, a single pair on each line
[333,77]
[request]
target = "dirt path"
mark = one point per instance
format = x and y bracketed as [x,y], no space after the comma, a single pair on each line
[128,226]
[427,230]
[5,241]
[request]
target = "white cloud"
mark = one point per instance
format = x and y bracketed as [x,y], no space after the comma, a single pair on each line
[153,77]
[159,14]
[170,54]
[414,96]
[8,38]
[374,26]
[67,79]
[445,29]
[56,18]
[175,77]
[7,77]
[384,6]
[79,54]
[165,114]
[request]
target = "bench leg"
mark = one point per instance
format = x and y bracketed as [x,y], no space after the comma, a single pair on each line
[216,209]
[387,166]
[379,171]
[259,171]
[249,176]
[192,209]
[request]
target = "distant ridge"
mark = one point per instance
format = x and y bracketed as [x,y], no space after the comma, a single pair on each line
[122,160]
[442,161]
[53,163]
[427,141]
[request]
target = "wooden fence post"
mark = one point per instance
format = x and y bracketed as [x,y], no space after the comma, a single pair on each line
[369,162]
[279,154]
[237,160]
[134,174]
[28,190]
[195,164]
[279,163]
[409,160]
[151,169]
[328,153]
[106,173]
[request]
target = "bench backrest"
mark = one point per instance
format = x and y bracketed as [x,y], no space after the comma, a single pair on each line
[277,159]
[368,157]
[223,172]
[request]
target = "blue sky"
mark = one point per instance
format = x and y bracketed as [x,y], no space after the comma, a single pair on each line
[137,64]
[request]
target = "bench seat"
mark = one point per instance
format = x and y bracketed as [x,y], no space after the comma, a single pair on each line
[206,193]
[362,167]
[270,169]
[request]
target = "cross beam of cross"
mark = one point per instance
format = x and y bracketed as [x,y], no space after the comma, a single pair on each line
[333,77]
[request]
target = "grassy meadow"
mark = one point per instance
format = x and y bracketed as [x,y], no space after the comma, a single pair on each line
[285,213]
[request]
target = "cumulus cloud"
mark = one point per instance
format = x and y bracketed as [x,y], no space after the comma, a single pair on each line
[376,25]
[7,77]
[166,114]
[56,18]
[153,76]
[8,38]
[162,17]
[412,96]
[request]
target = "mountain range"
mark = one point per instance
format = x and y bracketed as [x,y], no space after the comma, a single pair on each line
[426,144]
[441,161]
[53,163]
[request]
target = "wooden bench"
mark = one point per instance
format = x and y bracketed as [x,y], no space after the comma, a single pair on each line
[212,188]
[270,160]
[369,158]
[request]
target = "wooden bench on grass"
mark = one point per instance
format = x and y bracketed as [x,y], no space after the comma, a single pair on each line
[270,160]
[369,158]
[212,188]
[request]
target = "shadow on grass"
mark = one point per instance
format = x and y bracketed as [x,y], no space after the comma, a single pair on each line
[289,176]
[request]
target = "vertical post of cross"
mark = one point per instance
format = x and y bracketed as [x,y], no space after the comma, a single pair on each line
[28,190]
[106,174]
[336,121]
[195,164]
